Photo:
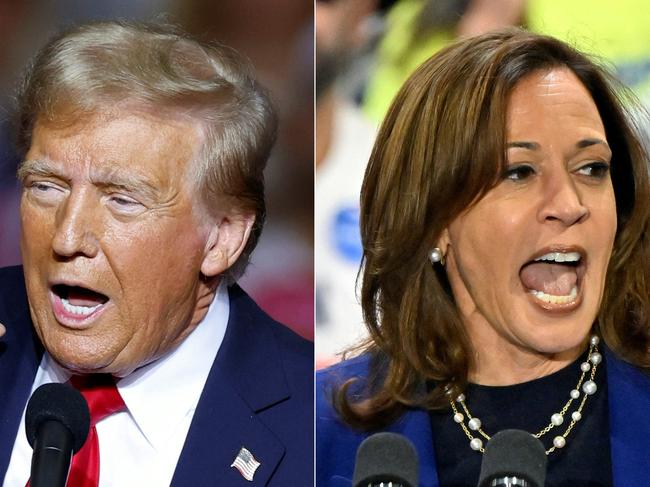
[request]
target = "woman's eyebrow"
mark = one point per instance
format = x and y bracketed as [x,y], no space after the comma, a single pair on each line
[523,145]
[581,144]
[584,143]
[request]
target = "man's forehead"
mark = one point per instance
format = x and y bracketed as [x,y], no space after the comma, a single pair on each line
[142,128]
[97,171]
[129,142]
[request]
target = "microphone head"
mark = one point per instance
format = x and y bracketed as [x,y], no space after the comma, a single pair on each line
[514,453]
[62,403]
[386,457]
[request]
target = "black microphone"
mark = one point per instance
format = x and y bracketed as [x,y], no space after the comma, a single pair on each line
[57,421]
[513,458]
[386,458]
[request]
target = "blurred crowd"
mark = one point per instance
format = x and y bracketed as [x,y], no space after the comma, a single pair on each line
[278,38]
[365,50]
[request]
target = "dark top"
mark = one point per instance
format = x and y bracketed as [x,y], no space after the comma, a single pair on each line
[584,460]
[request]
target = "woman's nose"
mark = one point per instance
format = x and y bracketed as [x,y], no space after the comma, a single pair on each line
[563,201]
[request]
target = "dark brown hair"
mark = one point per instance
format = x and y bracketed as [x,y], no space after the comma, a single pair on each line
[439,150]
[158,68]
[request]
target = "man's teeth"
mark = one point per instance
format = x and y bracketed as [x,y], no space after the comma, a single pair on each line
[559,257]
[550,298]
[79,310]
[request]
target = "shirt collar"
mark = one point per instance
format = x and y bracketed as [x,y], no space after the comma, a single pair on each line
[159,395]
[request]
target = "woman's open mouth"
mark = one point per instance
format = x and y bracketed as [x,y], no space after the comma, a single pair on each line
[554,278]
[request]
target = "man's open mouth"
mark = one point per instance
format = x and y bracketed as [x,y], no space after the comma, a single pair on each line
[77,302]
[555,277]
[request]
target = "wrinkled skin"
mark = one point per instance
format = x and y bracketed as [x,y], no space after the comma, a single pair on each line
[109,204]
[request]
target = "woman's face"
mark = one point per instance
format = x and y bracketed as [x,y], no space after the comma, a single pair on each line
[527,263]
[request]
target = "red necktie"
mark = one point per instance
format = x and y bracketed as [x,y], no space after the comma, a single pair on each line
[103,400]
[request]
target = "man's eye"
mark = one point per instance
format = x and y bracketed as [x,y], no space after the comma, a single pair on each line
[41,187]
[596,170]
[122,201]
[44,190]
[519,172]
[124,204]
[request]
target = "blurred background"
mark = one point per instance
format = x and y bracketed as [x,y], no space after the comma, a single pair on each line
[278,37]
[366,49]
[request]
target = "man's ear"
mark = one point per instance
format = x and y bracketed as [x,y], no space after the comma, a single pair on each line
[226,241]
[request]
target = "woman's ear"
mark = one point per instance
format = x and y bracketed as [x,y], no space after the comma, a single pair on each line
[444,241]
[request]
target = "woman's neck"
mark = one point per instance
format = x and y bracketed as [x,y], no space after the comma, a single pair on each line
[498,362]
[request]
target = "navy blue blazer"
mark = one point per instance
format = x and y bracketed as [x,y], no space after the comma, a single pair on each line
[629,419]
[259,394]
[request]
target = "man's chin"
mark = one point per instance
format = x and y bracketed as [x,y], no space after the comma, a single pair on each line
[74,354]
[88,363]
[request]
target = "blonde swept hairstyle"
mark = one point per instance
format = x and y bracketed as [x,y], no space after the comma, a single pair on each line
[441,148]
[157,68]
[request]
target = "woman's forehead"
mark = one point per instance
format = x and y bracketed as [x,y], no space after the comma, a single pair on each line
[549,95]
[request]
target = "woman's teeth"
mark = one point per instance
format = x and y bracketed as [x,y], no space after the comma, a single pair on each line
[79,310]
[559,257]
[550,298]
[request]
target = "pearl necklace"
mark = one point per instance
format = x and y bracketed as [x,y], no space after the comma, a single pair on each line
[557,419]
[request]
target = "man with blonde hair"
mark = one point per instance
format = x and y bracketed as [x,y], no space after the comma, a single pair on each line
[143,197]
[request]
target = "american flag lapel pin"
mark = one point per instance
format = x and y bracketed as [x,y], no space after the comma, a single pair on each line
[246,463]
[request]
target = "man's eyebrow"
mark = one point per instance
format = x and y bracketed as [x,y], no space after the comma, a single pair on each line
[105,178]
[523,145]
[113,178]
[36,167]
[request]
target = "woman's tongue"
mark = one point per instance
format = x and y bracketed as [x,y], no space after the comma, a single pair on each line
[554,279]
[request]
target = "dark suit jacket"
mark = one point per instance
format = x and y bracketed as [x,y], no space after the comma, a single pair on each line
[629,428]
[259,394]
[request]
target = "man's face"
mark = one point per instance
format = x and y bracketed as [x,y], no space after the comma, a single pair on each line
[112,240]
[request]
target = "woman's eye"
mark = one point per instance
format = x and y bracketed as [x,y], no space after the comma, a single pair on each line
[596,170]
[519,172]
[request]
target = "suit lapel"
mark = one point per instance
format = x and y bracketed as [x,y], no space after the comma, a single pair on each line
[223,424]
[629,405]
[20,355]
[246,378]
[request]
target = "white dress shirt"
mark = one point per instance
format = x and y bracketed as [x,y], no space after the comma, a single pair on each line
[141,446]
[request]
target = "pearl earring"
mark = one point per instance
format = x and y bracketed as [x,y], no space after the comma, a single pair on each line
[436,256]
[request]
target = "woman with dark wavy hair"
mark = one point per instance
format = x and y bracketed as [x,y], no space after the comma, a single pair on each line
[506,271]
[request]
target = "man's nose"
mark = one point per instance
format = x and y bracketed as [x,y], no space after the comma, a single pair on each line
[563,201]
[75,221]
